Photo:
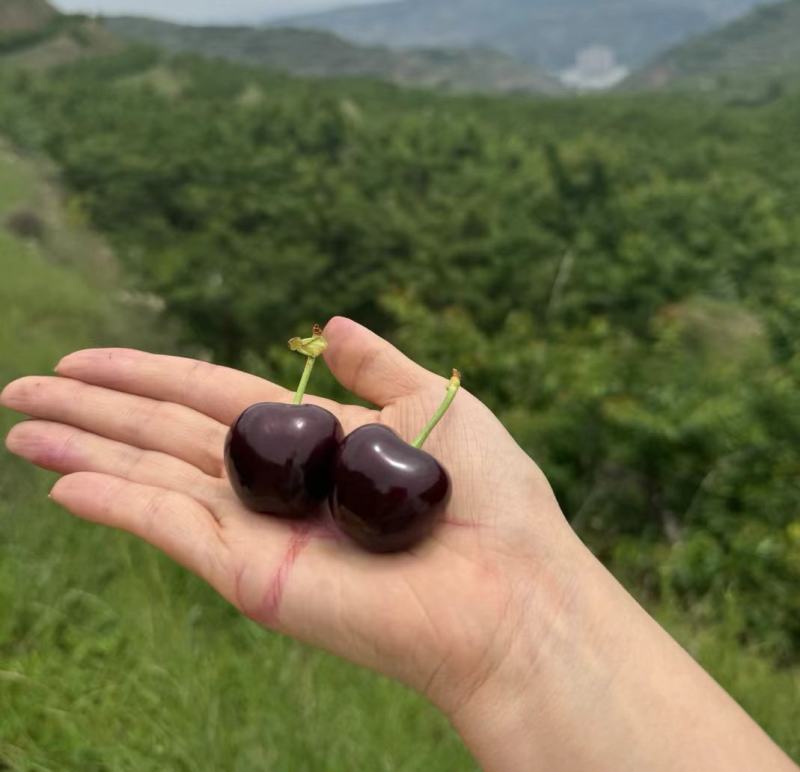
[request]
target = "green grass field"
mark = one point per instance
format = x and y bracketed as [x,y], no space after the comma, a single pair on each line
[112,658]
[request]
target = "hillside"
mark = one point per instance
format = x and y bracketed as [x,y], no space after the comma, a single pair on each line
[547,33]
[17,16]
[761,50]
[35,36]
[322,54]
[617,276]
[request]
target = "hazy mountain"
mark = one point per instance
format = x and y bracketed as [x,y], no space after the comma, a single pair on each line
[546,33]
[758,52]
[312,53]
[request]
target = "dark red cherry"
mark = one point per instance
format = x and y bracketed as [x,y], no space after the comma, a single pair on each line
[280,458]
[387,494]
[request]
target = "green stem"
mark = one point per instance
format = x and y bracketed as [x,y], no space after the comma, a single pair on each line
[452,390]
[301,389]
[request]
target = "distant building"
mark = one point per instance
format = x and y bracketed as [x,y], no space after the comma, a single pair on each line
[595,68]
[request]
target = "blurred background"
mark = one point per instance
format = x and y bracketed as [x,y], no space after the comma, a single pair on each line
[592,208]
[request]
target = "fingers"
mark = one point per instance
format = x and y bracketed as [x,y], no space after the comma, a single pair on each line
[170,521]
[144,423]
[219,392]
[369,366]
[66,449]
[363,362]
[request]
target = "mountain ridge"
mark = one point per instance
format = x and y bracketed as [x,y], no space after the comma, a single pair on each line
[546,33]
[313,53]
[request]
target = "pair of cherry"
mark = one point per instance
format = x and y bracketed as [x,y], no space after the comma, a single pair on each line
[290,461]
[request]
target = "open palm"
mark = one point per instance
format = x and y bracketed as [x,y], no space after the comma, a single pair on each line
[139,438]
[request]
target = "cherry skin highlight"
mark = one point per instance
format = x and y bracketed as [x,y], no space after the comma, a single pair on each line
[280,458]
[387,494]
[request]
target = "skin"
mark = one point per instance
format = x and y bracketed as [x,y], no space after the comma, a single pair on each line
[503,618]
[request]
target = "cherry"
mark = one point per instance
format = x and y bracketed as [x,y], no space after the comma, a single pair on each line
[280,457]
[387,493]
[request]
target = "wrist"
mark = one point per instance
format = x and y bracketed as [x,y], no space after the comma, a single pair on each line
[510,712]
[589,681]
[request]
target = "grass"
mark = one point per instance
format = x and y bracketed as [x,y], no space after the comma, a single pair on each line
[113,658]
[17,181]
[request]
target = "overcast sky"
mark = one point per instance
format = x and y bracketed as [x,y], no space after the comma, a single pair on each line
[204,10]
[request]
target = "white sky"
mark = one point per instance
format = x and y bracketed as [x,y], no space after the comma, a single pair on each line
[229,11]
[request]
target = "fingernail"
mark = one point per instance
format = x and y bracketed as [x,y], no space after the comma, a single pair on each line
[65,360]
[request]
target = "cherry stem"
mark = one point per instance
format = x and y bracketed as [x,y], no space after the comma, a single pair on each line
[311,348]
[301,389]
[452,390]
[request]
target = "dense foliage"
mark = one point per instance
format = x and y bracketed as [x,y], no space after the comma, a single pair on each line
[619,278]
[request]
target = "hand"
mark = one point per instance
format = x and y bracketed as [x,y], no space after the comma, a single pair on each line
[140,438]
[503,618]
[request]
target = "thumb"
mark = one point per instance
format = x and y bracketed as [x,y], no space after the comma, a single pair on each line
[370,366]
